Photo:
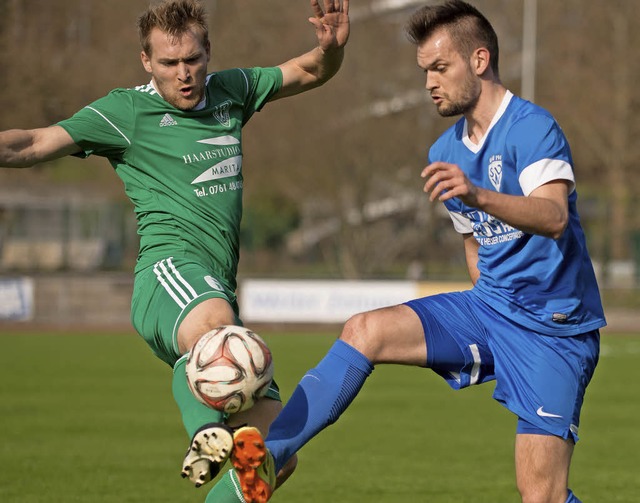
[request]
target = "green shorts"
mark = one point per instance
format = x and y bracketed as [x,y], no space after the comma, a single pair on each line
[165,293]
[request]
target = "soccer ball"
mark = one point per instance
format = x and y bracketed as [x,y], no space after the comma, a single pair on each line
[229,368]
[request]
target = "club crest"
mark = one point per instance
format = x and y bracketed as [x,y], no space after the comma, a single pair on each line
[221,113]
[495,171]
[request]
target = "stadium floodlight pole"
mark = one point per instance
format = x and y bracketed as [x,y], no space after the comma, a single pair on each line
[529,34]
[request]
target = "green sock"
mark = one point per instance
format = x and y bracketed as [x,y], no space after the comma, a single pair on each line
[194,416]
[226,490]
[194,413]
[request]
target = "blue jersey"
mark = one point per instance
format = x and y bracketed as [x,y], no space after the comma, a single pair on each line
[544,284]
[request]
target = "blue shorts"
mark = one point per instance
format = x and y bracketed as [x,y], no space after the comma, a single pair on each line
[540,378]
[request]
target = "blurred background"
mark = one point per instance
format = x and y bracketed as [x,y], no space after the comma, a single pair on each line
[332,185]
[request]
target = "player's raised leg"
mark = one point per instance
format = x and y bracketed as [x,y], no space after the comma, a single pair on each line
[211,440]
[389,335]
[172,306]
[211,444]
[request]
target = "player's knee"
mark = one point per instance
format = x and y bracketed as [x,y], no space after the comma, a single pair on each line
[361,332]
[206,316]
[188,336]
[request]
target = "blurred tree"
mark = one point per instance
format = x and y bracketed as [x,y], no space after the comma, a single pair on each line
[586,76]
[347,156]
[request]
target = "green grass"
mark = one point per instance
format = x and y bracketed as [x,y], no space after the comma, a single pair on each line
[91,419]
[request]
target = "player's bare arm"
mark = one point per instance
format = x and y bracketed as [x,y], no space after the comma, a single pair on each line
[545,211]
[22,148]
[315,67]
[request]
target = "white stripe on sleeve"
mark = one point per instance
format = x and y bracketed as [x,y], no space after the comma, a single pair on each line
[461,223]
[544,171]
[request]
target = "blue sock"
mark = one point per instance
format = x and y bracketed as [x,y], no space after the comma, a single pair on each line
[318,400]
[572,498]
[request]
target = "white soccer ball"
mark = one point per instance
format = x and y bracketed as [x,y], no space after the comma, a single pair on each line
[229,368]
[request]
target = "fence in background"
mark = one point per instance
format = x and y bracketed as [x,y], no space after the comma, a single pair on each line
[47,234]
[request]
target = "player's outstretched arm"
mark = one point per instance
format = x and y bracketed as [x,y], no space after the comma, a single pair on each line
[315,67]
[22,148]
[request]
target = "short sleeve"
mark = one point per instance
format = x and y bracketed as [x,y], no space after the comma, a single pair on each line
[104,127]
[541,152]
[262,84]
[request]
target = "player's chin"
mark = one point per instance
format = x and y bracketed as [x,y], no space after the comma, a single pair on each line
[182,103]
[447,111]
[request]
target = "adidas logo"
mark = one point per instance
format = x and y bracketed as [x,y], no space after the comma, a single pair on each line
[167,120]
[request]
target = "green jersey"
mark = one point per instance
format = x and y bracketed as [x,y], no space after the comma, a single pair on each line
[181,169]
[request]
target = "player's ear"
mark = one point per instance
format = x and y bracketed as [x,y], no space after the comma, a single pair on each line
[146,61]
[480,60]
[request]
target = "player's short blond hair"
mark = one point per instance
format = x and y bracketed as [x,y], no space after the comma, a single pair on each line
[173,17]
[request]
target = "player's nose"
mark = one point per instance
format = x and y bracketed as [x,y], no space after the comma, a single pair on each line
[430,82]
[184,73]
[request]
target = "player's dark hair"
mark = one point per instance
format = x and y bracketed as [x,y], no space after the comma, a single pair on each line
[173,17]
[468,28]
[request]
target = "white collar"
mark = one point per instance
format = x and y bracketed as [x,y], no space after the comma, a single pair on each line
[475,147]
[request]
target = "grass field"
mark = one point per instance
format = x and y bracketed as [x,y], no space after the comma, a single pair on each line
[91,419]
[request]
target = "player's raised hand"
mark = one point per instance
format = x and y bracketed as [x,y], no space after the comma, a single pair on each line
[331,23]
